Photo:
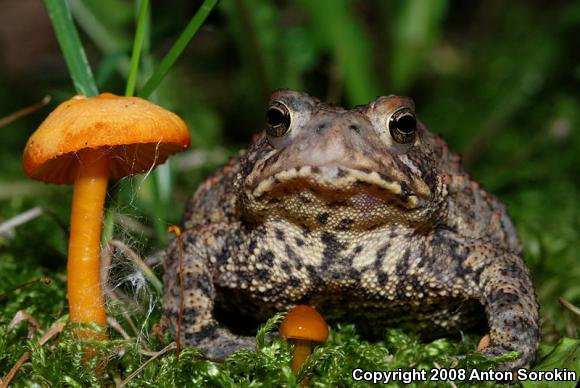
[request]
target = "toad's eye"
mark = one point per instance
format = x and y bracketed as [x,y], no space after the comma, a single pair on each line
[277,119]
[403,126]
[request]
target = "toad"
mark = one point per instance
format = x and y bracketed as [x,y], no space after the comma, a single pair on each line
[363,214]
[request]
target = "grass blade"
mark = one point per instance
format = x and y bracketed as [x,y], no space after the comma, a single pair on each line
[72,49]
[178,47]
[341,32]
[416,28]
[112,45]
[137,46]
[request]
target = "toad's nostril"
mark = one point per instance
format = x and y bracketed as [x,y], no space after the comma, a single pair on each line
[354,127]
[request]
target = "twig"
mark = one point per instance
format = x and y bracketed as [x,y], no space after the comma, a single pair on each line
[39,280]
[20,219]
[166,349]
[449,381]
[133,225]
[116,294]
[29,215]
[175,229]
[24,111]
[146,352]
[113,296]
[22,315]
[155,259]
[54,330]
[140,263]
[115,325]
[569,306]
[127,317]
[106,258]
[125,299]
[108,291]
[14,369]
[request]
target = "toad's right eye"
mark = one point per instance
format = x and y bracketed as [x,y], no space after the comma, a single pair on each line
[277,119]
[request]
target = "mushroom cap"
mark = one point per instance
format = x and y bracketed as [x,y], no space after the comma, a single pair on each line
[133,133]
[304,323]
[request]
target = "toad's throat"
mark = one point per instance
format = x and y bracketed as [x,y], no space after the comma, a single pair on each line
[338,179]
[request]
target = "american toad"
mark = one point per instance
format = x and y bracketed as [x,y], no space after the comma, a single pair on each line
[363,214]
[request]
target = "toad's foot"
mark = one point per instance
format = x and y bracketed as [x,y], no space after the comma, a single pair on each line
[502,284]
[511,309]
[222,343]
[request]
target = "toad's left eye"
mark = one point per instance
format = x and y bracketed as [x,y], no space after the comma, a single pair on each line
[277,119]
[403,126]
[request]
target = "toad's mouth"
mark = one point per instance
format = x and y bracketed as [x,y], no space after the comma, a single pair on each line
[337,179]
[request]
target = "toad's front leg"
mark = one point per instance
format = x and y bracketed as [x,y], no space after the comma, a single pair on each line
[202,248]
[511,307]
[502,283]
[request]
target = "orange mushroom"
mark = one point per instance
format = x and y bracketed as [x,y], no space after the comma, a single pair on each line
[86,141]
[304,325]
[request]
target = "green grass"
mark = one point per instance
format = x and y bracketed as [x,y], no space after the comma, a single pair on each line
[496,80]
[72,49]
[137,47]
[177,48]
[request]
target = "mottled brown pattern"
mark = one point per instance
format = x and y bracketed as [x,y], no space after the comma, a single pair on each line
[338,215]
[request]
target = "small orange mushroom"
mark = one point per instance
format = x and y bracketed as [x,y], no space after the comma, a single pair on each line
[305,326]
[86,141]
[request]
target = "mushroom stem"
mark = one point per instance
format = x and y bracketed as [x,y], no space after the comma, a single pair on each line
[85,295]
[302,349]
